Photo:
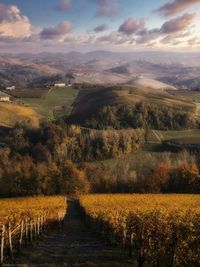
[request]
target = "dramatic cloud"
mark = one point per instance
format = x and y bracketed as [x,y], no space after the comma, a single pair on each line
[101,28]
[176,6]
[169,32]
[131,26]
[13,23]
[178,24]
[57,32]
[63,5]
[107,8]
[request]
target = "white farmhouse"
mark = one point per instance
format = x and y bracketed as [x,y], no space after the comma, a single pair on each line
[59,85]
[4,97]
[10,88]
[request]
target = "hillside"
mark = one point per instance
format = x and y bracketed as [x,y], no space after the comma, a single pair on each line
[54,103]
[22,72]
[91,101]
[11,113]
[151,83]
[103,67]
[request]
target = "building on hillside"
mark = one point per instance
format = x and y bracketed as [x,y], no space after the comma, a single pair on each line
[59,85]
[10,88]
[69,83]
[4,97]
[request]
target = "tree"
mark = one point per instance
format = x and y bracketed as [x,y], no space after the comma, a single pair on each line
[185,179]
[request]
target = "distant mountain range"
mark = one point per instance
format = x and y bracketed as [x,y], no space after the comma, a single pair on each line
[174,69]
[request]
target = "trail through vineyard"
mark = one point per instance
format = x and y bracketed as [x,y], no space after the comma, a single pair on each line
[75,245]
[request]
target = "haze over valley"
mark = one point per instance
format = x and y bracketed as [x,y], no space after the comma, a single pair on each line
[169,70]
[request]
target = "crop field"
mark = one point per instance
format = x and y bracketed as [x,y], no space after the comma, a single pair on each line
[17,209]
[11,113]
[54,104]
[23,220]
[158,230]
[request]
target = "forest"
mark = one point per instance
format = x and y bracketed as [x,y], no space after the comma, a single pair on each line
[141,115]
[60,159]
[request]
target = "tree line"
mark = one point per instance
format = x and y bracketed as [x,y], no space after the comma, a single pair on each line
[65,159]
[47,160]
[141,115]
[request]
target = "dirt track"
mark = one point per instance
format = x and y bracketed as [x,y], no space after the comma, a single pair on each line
[76,245]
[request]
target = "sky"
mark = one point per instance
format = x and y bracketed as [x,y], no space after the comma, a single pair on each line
[86,25]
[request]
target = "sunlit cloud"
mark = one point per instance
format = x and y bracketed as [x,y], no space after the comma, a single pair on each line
[131,26]
[13,23]
[176,6]
[178,24]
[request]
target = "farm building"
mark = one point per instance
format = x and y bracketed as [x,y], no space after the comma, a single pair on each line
[4,97]
[59,85]
[10,88]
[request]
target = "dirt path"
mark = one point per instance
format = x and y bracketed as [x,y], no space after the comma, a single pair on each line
[76,245]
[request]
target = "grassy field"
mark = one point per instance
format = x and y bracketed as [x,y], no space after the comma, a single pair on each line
[168,135]
[54,104]
[186,137]
[11,113]
[190,95]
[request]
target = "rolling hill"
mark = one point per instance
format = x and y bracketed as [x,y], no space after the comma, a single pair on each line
[103,67]
[11,113]
[151,83]
[91,101]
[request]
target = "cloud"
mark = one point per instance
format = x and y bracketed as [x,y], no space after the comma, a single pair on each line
[131,26]
[110,38]
[101,28]
[107,8]
[13,23]
[134,32]
[176,6]
[170,31]
[195,41]
[178,24]
[57,32]
[79,39]
[63,5]
[147,36]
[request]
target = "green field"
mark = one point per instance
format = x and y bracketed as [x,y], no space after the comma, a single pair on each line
[187,94]
[54,104]
[169,135]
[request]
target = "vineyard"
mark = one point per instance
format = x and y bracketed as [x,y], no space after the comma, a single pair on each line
[156,230]
[23,220]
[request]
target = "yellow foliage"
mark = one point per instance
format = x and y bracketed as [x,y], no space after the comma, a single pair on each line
[11,113]
[160,229]
[16,209]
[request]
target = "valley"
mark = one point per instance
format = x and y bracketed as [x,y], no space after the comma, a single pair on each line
[100,133]
[96,126]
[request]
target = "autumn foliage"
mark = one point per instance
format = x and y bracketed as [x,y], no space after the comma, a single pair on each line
[158,230]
